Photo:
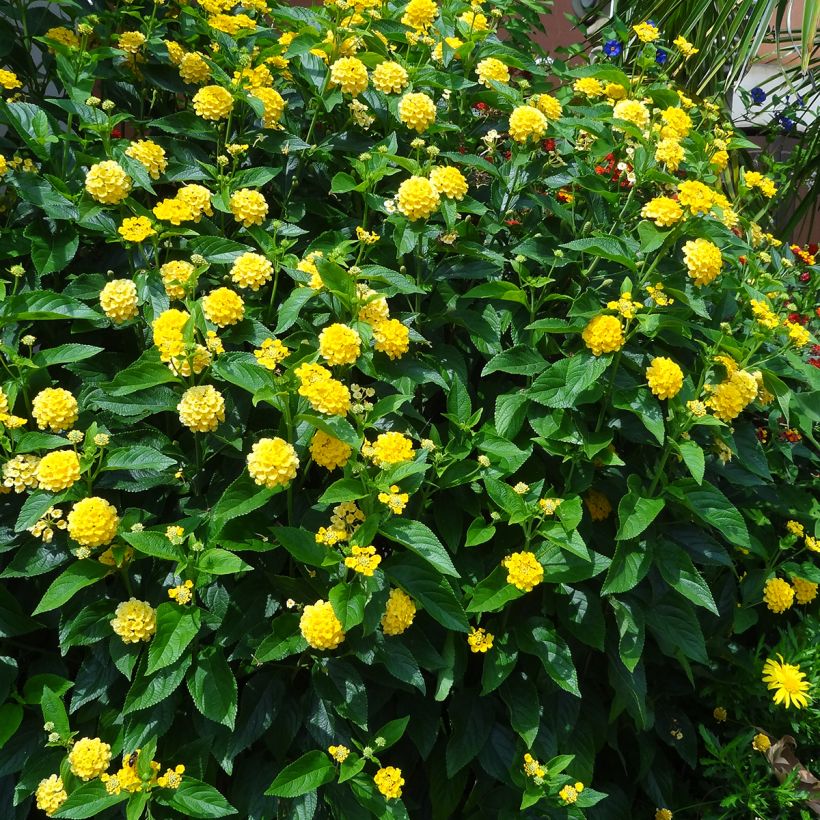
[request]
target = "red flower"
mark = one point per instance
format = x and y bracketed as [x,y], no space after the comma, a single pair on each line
[742,259]
[512,222]
[549,144]
[798,319]
[480,106]
[805,276]
[815,362]
[116,132]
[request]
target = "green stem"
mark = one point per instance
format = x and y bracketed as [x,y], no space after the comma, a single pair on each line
[659,471]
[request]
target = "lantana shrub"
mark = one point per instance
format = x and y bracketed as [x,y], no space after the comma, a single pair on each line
[394,423]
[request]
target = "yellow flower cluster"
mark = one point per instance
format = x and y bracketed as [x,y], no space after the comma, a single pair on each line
[597,505]
[490,70]
[388,449]
[350,74]
[449,182]
[399,613]
[417,111]
[364,560]
[54,409]
[764,314]
[603,334]
[533,767]
[271,353]
[320,627]
[150,155]
[272,462]
[89,758]
[703,260]
[665,378]
[182,594]
[479,640]
[527,123]
[339,344]
[223,307]
[390,78]
[213,103]
[633,111]
[804,591]
[50,793]
[251,270]
[136,229]
[778,595]
[93,522]
[329,452]
[177,276]
[273,106]
[174,210]
[391,337]
[417,198]
[118,299]
[338,753]
[524,571]
[20,473]
[395,500]
[107,182]
[754,179]
[58,470]
[732,396]
[248,207]
[325,394]
[134,621]
[663,211]
[201,408]
[389,781]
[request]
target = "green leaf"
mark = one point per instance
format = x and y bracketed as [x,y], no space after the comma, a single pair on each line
[505,291]
[65,354]
[420,539]
[52,250]
[635,514]
[334,426]
[302,545]
[392,732]
[149,690]
[478,532]
[177,626]
[550,648]
[138,457]
[54,712]
[348,603]
[66,585]
[286,639]
[304,775]
[498,665]
[629,566]
[521,697]
[521,360]
[563,382]
[493,593]
[679,572]
[427,587]
[41,305]
[345,489]
[676,629]
[213,686]
[11,716]
[155,544]
[241,497]
[89,800]
[217,250]
[606,247]
[709,504]
[217,561]
[147,371]
[196,799]
[241,369]
[631,628]
[693,457]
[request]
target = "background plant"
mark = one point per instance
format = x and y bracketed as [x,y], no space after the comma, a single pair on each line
[392,426]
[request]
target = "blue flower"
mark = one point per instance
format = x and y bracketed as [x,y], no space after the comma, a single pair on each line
[612,48]
[758,95]
[786,123]
[661,57]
